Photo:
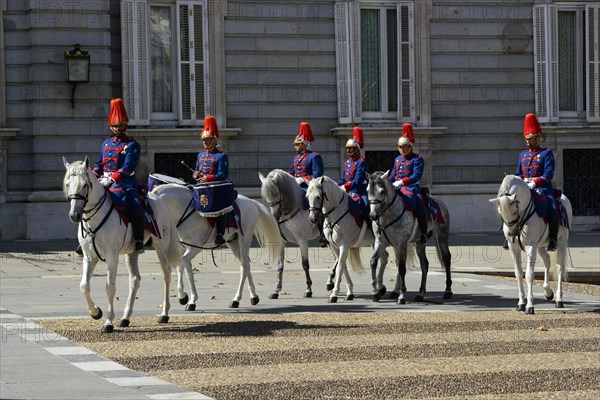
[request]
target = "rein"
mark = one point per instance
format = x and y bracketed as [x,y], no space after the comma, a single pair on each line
[521,221]
[378,218]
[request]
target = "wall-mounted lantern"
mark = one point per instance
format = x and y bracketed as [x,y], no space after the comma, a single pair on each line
[77,68]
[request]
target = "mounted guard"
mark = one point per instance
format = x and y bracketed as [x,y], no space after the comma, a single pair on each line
[406,174]
[536,167]
[214,196]
[115,167]
[354,176]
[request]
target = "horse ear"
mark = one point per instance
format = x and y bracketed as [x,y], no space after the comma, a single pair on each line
[512,197]
[368,176]
[386,175]
[66,163]
[86,162]
[494,200]
[261,176]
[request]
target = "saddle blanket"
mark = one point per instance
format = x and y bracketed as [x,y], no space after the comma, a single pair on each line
[357,207]
[540,202]
[231,220]
[433,210]
[119,200]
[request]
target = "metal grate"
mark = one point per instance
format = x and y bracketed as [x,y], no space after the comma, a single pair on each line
[380,160]
[582,180]
[170,164]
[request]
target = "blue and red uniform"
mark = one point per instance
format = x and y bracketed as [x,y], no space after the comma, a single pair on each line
[409,169]
[354,179]
[118,159]
[308,165]
[213,164]
[538,165]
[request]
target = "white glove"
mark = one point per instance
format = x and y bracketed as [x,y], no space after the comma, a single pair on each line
[397,184]
[106,181]
[300,180]
[531,185]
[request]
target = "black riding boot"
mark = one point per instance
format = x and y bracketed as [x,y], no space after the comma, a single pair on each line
[138,232]
[322,241]
[220,221]
[552,235]
[422,221]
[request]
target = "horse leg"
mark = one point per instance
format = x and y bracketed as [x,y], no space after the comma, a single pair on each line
[131,260]
[424,271]
[383,260]
[446,260]
[306,268]
[545,256]
[561,259]
[341,255]
[185,266]
[280,266]
[401,265]
[331,277]
[166,270]
[531,252]
[88,269]
[349,283]
[242,255]
[112,260]
[515,252]
[376,285]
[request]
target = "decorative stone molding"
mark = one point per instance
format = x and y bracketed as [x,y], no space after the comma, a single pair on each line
[5,135]
[385,139]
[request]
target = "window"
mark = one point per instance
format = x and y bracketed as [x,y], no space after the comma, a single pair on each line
[567,64]
[164,48]
[375,61]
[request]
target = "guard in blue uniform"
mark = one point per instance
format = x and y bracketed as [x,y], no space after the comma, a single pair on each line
[307,165]
[212,165]
[116,164]
[536,167]
[354,177]
[407,172]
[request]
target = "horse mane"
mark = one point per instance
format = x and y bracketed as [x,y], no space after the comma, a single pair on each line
[76,168]
[509,182]
[280,182]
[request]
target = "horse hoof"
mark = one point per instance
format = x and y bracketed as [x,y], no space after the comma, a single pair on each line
[99,315]
[521,307]
[307,294]
[447,295]
[163,319]
[332,299]
[559,304]
[184,300]
[382,291]
[550,298]
[254,300]
[108,329]
[529,310]
[329,287]
[124,323]
[394,295]
[190,307]
[234,304]
[350,297]
[401,301]
[274,296]
[419,298]
[375,298]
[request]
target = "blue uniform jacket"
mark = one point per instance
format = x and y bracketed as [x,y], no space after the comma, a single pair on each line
[409,169]
[537,163]
[120,155]
[354,177]
[308,165]
[213,164]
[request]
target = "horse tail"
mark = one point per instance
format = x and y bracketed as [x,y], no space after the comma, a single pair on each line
[355,259]
[267,232]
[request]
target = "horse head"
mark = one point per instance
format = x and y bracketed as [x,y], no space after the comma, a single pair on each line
[281,192]
[379,191]
[513,191]
[78,187]
[316,199]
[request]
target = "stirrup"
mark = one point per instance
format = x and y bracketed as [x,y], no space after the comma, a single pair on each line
[139,246]
[551,245]
[219,239]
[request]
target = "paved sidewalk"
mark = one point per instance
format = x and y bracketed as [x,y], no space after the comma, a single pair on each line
[41,280]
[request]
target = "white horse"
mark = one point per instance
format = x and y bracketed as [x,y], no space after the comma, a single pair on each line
[396,227]
[197,234]
[326,199]
[284,196]
[103,235]
[520,221]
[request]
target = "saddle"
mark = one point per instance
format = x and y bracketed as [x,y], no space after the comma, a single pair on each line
[540,202]
[231,220]
[119,199]
[432,208]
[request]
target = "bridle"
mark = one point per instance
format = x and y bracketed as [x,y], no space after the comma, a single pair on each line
[324,197]
[519,220]
[383,210]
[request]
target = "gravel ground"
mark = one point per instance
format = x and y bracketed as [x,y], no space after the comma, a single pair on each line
[486,354]
[575,287]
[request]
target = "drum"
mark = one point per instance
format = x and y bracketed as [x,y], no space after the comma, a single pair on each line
[214,199]
[160,179]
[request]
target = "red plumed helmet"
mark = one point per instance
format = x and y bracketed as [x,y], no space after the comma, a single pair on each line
[117,115]
[531,126]
[407,135]
[210,129]
[305,134]
[357,138]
